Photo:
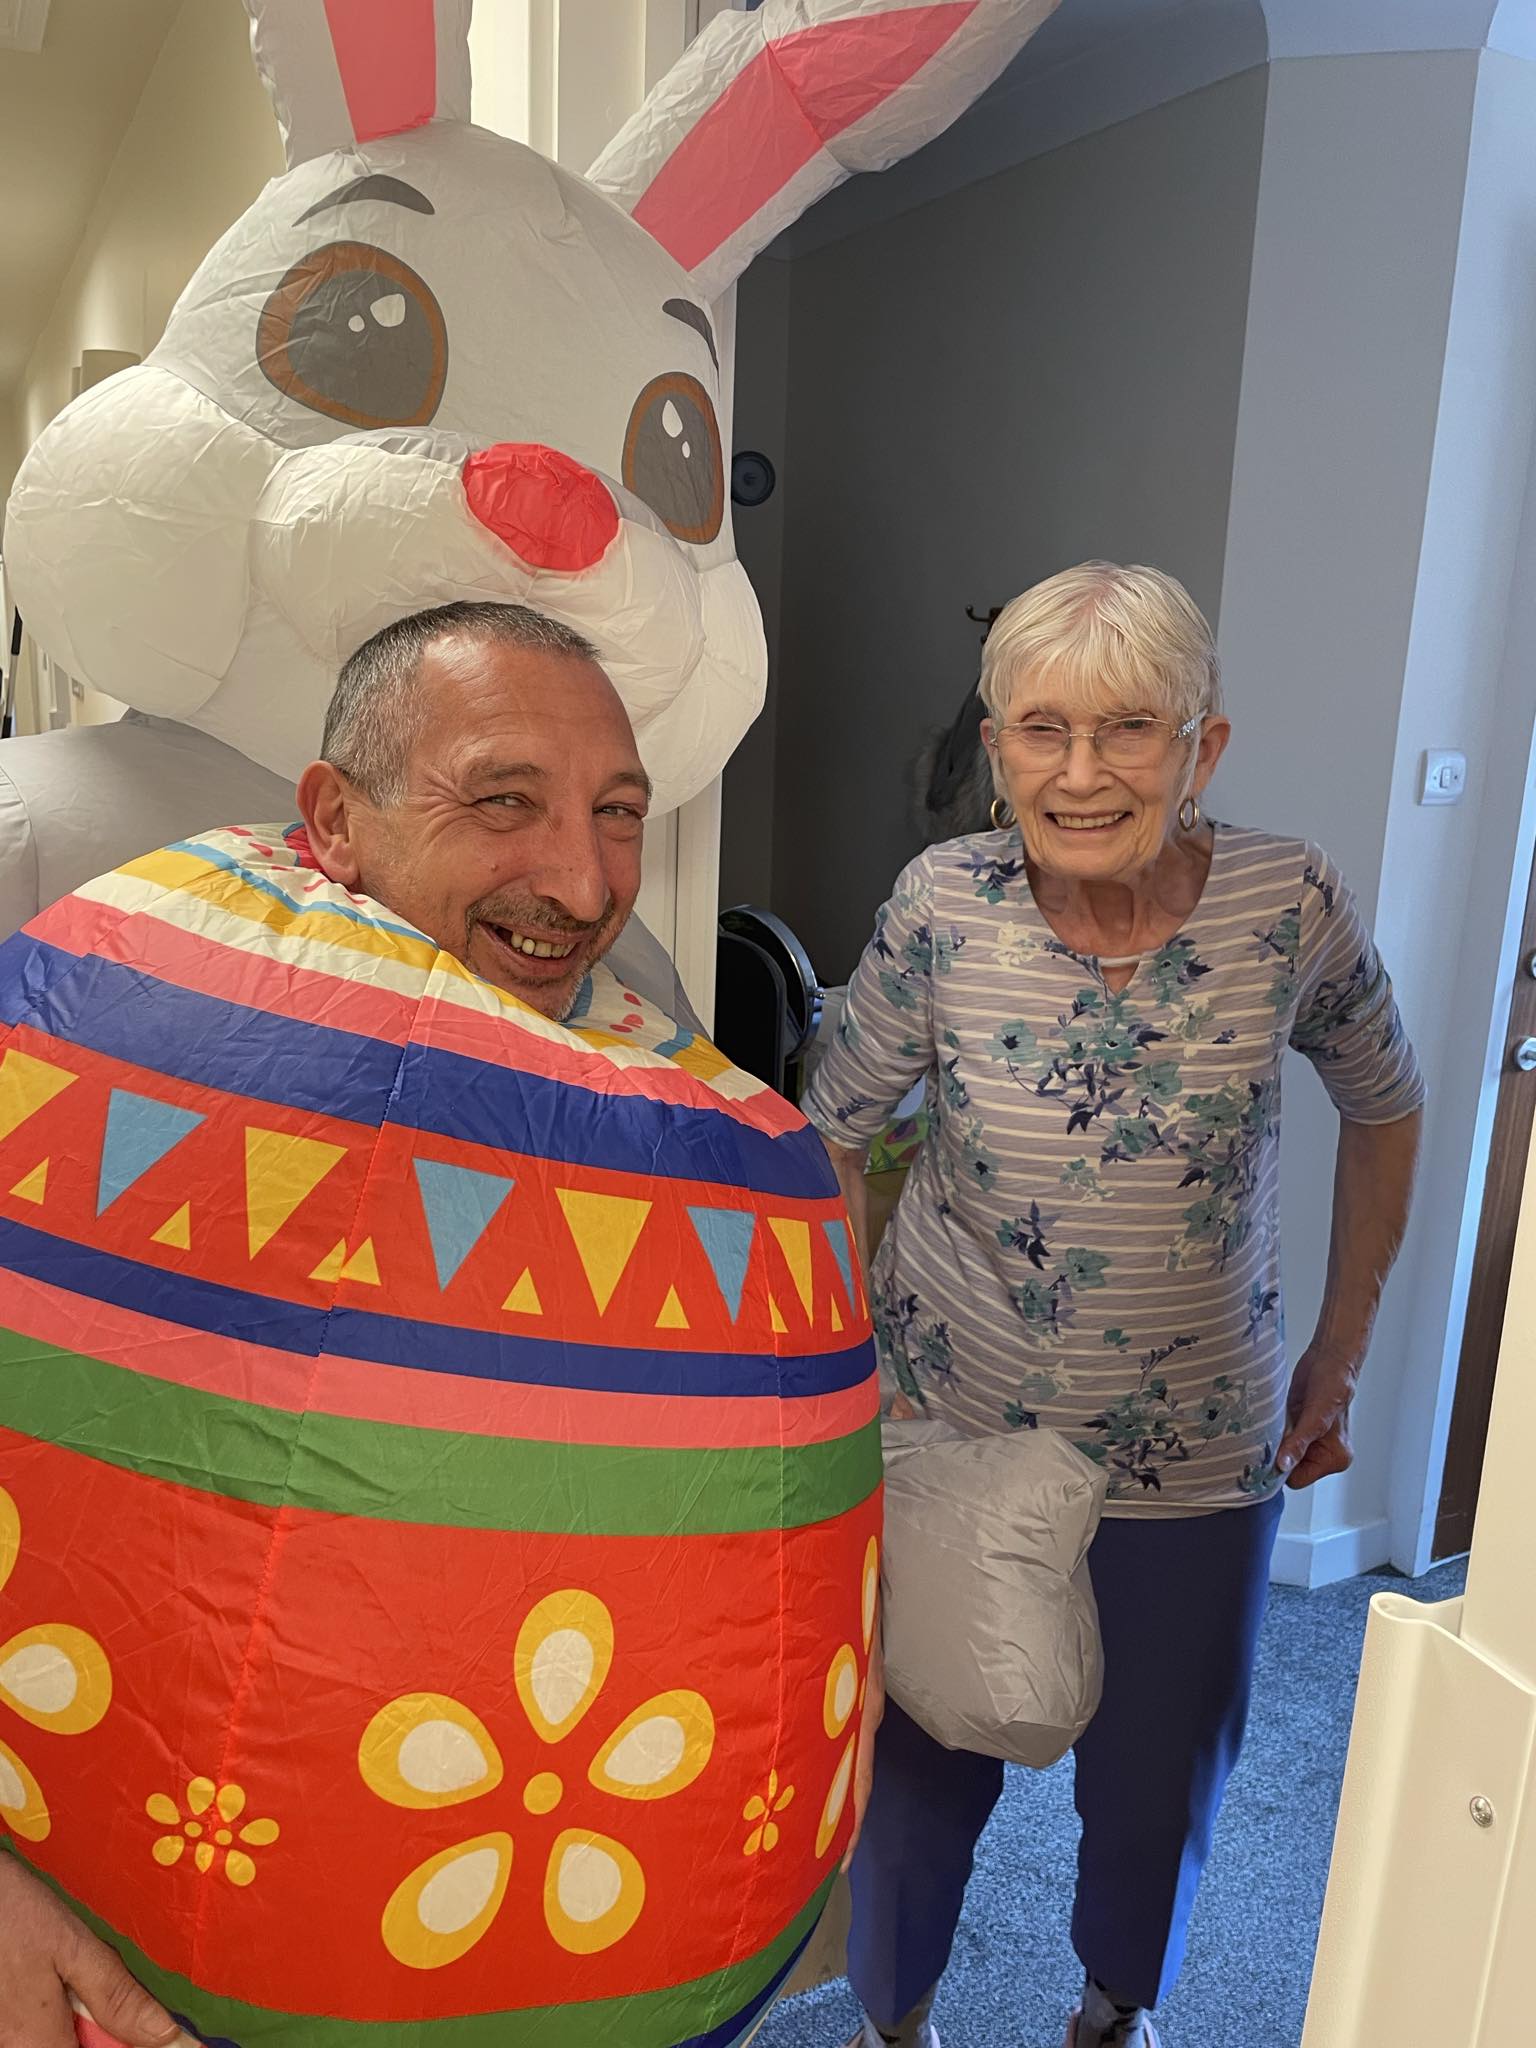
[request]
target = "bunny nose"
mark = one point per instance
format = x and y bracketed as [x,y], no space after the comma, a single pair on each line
[552,513]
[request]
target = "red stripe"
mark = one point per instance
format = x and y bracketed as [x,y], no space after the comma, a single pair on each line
[89,2035]
[386,52]
[366,1392]
[186,959]
[793,99]
[190,960]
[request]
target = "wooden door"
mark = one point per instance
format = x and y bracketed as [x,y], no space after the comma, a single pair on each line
[1490,1271]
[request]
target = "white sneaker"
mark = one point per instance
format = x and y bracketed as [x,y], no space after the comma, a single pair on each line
[1148,2034]
[924,2035]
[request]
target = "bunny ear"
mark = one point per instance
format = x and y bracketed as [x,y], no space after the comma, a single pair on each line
[766,111]
[345,71]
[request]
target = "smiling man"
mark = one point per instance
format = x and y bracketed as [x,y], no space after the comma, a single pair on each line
[479,784]
[479,776]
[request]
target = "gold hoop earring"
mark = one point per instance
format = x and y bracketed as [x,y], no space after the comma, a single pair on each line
[1001,814]
[1189,814]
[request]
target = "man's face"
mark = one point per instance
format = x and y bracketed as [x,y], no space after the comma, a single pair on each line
[517,845]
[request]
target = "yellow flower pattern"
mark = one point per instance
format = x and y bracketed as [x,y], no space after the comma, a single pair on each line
[425,1751]
[53,1676]
[208,1829]
[842,1696]
[763,1808]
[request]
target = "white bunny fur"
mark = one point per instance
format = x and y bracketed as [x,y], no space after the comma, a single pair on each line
[235,536]
[204,548]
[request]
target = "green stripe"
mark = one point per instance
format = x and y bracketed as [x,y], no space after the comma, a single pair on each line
[650,2019]
[391,1472]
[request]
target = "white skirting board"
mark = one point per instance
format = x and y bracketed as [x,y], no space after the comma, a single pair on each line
[1428,1923]
[1321,1557]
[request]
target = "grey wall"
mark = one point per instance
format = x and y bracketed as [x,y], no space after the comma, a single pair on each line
[1040,368]
[1331,574]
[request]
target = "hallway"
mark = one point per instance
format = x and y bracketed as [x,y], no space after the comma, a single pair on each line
[1245,1985]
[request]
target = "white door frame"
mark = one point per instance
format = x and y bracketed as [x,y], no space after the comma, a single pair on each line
[562,75]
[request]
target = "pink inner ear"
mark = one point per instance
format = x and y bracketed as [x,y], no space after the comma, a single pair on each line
[787,104]
[386,51]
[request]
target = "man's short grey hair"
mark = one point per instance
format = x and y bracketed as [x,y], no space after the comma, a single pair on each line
[376,714]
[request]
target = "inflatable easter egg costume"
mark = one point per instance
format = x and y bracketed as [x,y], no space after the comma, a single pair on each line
[440,1479]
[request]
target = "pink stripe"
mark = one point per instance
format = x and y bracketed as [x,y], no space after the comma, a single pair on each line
[793,99]
[386,52]
[190,960]
[367,1392]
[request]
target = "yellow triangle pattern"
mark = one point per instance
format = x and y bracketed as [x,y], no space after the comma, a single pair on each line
[33,1186]
[837,1320]
[176,1230]
[795,1243]
[606,1229]
[777,1315]
[279,1172]
[672,1316]
[524,1298]
[330,1267]
[26,1086]
[363,1265]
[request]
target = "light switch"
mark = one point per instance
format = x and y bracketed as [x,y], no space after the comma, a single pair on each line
[1445,778]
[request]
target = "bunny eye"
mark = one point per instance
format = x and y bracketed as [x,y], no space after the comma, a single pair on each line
[354,333]
[672,456]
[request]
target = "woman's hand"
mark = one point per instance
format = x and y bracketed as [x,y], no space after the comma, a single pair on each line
[1372,1189]
[1316,1442]
[45,1953]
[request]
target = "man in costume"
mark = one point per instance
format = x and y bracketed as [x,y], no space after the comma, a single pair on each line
[480,784]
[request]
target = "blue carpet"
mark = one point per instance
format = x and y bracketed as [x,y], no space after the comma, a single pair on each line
[1013,1977]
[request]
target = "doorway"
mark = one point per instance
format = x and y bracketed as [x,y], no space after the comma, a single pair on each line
[1514,1113]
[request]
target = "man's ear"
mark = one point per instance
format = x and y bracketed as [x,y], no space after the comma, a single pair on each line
[327,803]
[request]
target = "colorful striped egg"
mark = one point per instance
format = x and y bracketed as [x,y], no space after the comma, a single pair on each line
[439,1479]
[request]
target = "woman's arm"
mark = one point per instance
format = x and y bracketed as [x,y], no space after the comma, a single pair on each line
[1372,1192]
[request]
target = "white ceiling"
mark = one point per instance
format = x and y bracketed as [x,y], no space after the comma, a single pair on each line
[63,111]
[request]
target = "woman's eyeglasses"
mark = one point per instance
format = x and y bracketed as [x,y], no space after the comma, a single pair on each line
[1131,742]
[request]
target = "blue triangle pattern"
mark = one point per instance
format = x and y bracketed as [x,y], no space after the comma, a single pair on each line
[837,1237]
[459,1205]
[140,1131]
[726,1235]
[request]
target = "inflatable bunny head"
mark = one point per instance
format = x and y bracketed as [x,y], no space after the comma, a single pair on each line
[427,364]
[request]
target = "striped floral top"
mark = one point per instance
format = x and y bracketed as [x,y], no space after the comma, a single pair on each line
[1088,1238]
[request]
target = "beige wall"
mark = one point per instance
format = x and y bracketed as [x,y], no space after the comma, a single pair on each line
[199,148]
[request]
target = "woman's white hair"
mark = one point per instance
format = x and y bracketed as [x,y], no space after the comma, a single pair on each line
[1107,639]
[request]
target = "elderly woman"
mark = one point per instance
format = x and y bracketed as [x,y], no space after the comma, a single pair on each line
[1101,991]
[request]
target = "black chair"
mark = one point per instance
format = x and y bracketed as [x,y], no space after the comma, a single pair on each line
[767,997]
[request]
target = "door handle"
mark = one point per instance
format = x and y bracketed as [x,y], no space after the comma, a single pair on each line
[1523,1054]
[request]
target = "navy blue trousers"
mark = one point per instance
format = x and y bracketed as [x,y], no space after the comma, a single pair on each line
[1180,1603]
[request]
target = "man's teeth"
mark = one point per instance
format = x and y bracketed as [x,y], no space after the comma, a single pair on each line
[1072,823]
[537,949]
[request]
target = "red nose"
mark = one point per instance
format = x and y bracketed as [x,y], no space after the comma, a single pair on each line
[552,513]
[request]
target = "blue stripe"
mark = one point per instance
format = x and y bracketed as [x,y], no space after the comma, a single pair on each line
[730,2031]
[127,1014]
[231,1313]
